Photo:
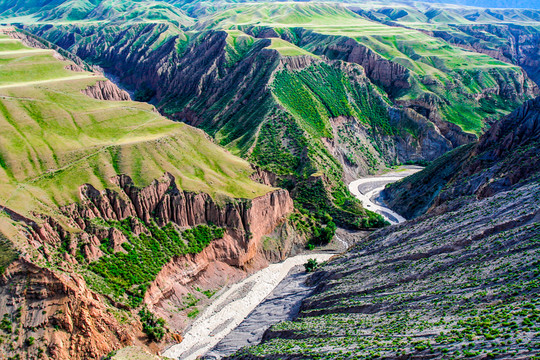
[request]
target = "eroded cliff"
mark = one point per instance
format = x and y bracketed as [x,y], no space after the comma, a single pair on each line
[504,156]
[55,295]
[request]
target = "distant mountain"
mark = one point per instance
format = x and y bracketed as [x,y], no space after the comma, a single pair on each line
[503,4]
[317,93]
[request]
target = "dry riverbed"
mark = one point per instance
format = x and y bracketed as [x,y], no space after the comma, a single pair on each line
[233,306]
[368,189]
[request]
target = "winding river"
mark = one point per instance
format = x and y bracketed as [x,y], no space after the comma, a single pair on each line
[368,189]
[240,315]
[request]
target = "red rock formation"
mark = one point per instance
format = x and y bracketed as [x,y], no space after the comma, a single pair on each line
[61,314]
[86,328]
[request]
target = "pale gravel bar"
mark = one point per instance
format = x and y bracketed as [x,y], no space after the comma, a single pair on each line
[223,315]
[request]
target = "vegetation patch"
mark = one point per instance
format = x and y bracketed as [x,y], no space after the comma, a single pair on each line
[129,272]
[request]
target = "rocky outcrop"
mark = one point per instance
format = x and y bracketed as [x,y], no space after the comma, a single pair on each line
[106,90]
[507,154]
[454,267]
[86,327]
[65,319]
[163,202]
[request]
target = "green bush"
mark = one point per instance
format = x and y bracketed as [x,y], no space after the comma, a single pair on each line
[30,341]
[6,324]
[130,273]
[311,265]
[144,94]
[153,327]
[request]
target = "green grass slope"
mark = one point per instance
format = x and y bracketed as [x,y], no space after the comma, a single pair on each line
[54,139]
[117,11]
[445,75]
[277,14]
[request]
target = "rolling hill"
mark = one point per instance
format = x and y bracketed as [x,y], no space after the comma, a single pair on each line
[410,95]
[126,205]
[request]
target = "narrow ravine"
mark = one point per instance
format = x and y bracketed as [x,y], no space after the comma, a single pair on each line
[368,189]
[234,305]
[241,315]
[282,304]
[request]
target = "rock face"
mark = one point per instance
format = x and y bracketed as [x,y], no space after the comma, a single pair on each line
[504,156]
[65,318]
[86,328]
[392,76]
[163,202]
[106,90]
[424,287]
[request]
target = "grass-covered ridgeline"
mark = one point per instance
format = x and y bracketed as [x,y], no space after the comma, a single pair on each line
[321,91]
[55,139]
[234,84]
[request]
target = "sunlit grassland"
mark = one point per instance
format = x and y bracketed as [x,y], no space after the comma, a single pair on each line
[7,44]
[285,48]
[75,11]
[54,139]
[434,65]
[281,14]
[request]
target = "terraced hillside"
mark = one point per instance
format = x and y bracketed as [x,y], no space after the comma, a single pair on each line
[459,282]
[105,205]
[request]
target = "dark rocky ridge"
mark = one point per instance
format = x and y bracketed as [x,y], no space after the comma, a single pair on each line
[504,156]
[421,289]
[459,281]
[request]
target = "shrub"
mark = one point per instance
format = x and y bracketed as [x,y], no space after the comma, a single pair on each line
[153,327]
[311,265]
[6,325]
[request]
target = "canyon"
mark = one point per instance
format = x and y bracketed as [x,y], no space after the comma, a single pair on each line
[166,168]
[459,280]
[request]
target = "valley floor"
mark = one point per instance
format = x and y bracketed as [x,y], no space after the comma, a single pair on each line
[233,306]
[367,190]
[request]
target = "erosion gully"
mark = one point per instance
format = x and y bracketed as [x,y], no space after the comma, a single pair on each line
[242,313]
